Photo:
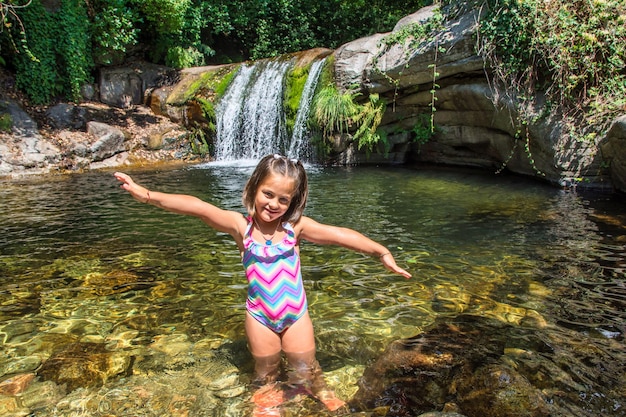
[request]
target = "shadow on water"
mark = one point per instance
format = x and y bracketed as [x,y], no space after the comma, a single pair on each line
[516,306]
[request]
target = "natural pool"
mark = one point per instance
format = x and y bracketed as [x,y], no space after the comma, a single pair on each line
[110,307]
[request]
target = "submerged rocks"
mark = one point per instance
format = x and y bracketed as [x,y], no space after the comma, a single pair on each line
[173,376]
[84,365]
[486,368]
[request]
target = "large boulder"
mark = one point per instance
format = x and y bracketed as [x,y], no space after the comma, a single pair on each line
[379,69]
[482,367]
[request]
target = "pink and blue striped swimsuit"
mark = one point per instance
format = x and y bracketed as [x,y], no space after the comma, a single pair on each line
[276,296]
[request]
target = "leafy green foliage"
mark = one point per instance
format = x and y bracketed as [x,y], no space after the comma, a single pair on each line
[56,59]
[180,42]
[336,113]
[73,47]
[166,16]
[332,111]
[114,28]
[574,51]
[368,119]
[424,129]
[56,50]
[12,25]
[261,29]
[38,77]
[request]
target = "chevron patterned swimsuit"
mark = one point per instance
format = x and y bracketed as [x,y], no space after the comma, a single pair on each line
[276,295]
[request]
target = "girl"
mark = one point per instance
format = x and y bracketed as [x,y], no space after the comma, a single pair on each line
[277,319]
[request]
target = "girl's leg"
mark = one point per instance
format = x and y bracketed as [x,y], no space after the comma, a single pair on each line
[264,345]
[304,369]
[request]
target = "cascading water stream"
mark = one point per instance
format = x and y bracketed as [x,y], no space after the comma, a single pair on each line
[250,120]
[250,117]
[228,115]
[300,146]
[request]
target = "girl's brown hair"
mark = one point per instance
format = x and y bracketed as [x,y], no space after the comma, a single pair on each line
[290,168]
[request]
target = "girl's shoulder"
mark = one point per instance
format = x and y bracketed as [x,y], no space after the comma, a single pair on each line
[301,224]
[241,222]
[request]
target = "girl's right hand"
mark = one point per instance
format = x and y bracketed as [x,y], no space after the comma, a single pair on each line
[138,192]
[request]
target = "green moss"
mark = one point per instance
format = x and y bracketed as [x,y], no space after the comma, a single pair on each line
[6,122]
[225,81]
[296,79]
[208,111]
[209,85]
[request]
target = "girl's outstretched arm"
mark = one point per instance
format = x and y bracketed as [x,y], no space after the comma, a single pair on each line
[222,220]
[324,234]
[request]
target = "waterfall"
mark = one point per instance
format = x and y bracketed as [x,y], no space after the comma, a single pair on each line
[300,147]
[228,115]
[250,119]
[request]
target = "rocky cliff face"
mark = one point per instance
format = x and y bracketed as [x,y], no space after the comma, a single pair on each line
[476,123]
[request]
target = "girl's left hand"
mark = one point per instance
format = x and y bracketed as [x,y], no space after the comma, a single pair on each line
[390,263]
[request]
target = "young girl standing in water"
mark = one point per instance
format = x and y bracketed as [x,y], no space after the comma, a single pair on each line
[277,319]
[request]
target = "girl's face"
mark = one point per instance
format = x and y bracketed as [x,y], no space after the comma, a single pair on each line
[273,197]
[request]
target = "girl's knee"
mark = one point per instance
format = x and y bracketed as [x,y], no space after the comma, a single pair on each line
[267,368]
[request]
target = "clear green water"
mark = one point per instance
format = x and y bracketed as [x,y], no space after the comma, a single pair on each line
[81,261]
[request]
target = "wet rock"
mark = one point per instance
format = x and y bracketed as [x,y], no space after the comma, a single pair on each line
[114,282]
[613,151]
[172,345]
[413,376]
[41,396]
[84,365]
[500,391]
[16,384]
[20,365]
[484,367]
[9,407]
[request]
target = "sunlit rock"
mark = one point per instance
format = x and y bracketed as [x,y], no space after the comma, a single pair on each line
[16,384]
[113,282]
[84,365]
[42,395]
[172,345]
